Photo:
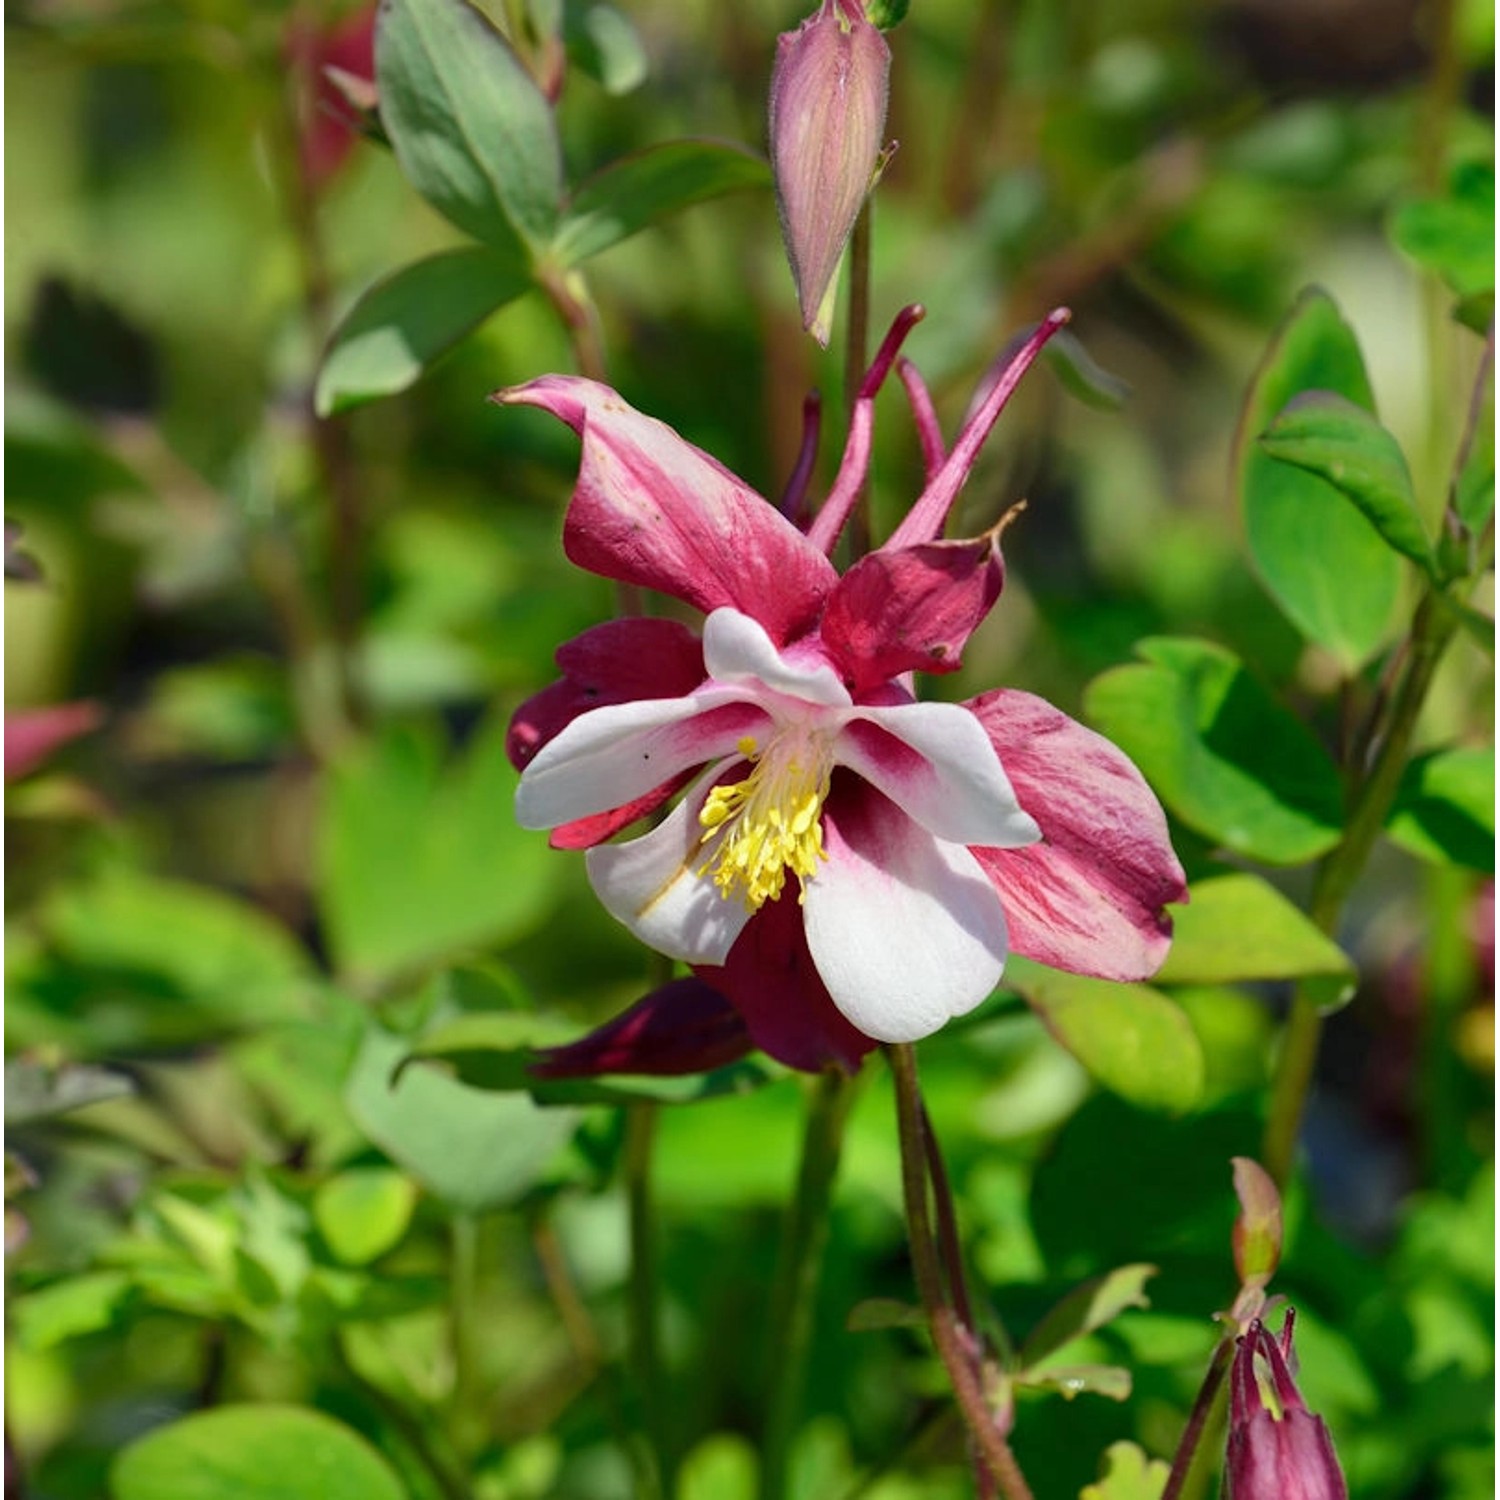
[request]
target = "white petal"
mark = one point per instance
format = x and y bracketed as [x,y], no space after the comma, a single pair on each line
[652,885]
[736,649]
[612,755]
[905,929]
[948,776]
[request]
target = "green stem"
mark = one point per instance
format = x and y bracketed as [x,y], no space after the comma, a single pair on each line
[1432,629]
[643,1358]
[1198,1419]
[857,357]
[796,1289]
[463,1274]
[955,1344]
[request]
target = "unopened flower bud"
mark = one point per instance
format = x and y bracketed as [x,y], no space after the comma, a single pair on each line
[1278,1450]
[1257,1229]
[828,101]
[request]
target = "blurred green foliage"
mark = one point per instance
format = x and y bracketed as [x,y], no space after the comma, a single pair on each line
[248,1238]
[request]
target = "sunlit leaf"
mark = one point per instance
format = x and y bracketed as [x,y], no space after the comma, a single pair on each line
[1445,807]
[472,131]
[363,1212]
[403,324]
[1454,235]
[261,1452]
[1321,560]
[1238,927]
[1079,1380]
[1326,435]
[70,1307]
[1220,751]
[1128,1475]
[1129,1036]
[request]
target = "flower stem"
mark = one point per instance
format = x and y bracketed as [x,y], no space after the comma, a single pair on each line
[643,1355]
[795,1296]
[857,357]
[1432,629]
[956,1345]
[1198,1419]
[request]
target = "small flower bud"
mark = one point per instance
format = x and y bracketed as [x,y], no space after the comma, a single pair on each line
[1257,1230]
[828,101]
[1278,1450]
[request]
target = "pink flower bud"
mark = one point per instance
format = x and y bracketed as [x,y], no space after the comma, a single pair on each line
[828,100]
[1278,1450]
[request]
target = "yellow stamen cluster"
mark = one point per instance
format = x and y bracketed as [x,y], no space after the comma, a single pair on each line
[771,821]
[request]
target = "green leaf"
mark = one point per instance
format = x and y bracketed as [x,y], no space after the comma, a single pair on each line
[184,943]
[1324,434]
[268,1452]
[1220,751]
[721,1467]
[34,1091]
[472,131]
[1133,1039]
[1087,1307]
[1079,1380]
[420,860]
[1454,235]
[1128,1475]
[1445,808]
[495,1052]
[1237,927]
[398,328]
[642,189]
[1322,561]
[68,1308]
[602,43]
[1082,375]
[364,1212]
[474,1149]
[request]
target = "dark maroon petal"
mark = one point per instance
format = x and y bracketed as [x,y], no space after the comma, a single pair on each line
[652,509]
[620,661]
[32,735]
[1089,897]
[911,608]
[771,980]
[684,1027]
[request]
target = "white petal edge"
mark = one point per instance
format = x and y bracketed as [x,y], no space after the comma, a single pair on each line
[736,649]
[905,936]
[960,791]
[612,755]
[653,887]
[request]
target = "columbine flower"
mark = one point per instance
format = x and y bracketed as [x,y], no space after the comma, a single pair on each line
[827,115]
[846,864]
[1278,1450]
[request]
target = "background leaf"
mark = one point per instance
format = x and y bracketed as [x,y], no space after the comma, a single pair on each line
[473,133]
[1445,807]
[1454,235]
[1220,751]
[466,875]
[637,191]
[396,330]
[1324,564]
[1085,1308]
[364,1212]
[265,1452]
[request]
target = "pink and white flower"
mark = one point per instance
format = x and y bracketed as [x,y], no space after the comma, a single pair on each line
[846,864]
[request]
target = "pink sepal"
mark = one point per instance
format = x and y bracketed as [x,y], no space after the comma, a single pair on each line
[910,609]
[652,509]
[1089,897]
[686,1026]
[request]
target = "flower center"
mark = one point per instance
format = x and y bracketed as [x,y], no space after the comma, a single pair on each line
[770,822]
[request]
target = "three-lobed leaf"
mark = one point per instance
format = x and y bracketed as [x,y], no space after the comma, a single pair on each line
[1324,434]
[471,129]
[1228,759]
[1321,560]
[396,331]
